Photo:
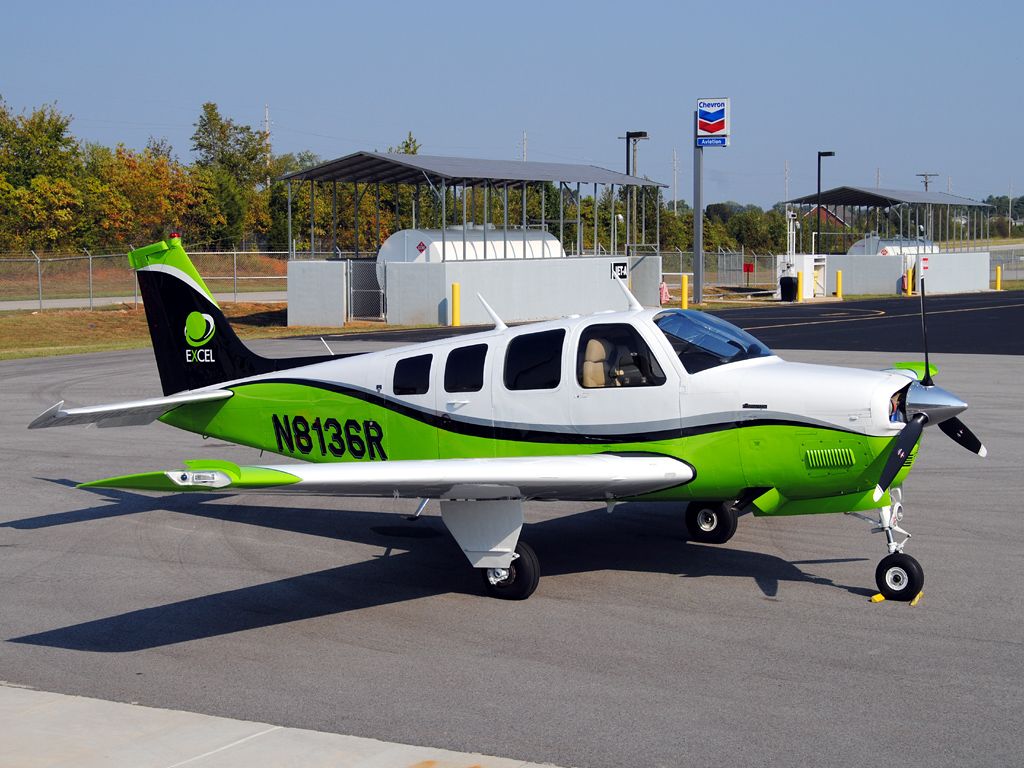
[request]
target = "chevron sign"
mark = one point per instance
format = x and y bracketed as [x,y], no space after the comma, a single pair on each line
[713,121]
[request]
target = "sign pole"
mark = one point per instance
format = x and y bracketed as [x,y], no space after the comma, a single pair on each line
[698,217]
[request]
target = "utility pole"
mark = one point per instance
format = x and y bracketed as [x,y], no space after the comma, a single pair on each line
[1009,212]
[266,133]
[786,198]
[878,178]
[925,178]
[675,181]
[524,145]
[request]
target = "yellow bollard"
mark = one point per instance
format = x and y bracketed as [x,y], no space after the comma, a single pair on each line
[910,282]
[684,288]
[456,305]
[999,277]
[839,284]
[799,286]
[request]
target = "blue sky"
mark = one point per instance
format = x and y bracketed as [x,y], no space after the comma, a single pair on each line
[896,86]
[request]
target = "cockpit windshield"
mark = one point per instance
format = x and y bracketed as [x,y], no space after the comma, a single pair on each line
[704,341]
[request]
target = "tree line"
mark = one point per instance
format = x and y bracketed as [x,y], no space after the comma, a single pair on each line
[62,194]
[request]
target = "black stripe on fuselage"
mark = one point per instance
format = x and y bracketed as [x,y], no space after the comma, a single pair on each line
[530,434]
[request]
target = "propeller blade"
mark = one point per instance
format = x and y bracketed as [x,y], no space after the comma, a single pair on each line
[959,432]
[904,444]
[927,380]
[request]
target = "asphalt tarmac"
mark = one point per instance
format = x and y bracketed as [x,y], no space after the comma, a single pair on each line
[971,323]
[638,648]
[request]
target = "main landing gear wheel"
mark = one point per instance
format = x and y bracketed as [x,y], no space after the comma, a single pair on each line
[899,577]
[710,523]
[519,580]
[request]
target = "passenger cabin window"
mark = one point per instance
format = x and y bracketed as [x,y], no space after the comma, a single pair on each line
[614,355]
[704,341]
[464,370]
[412,375]
[534,360]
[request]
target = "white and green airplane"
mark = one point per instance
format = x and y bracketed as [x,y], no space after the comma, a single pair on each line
[658,405]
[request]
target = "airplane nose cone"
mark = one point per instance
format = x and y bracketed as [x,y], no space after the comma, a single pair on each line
[934,402]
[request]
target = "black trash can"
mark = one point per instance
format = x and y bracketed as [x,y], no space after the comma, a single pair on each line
[787,288]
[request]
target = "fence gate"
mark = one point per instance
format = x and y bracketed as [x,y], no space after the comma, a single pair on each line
[365,294]
[730,269]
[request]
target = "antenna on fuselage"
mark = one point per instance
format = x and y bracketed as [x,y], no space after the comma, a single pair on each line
[499,324]
[633,303]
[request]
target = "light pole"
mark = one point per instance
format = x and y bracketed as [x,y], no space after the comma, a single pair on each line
[817,210]
[631,137]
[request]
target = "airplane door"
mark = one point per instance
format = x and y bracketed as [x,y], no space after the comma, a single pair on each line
[462,383]
[619,388]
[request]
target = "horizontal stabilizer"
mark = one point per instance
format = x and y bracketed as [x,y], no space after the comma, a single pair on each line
[126,414]
[590,477]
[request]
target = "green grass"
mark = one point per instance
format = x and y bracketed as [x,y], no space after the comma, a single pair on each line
[28,333]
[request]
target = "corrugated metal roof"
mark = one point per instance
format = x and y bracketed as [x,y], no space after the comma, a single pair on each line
[393,168]
[872,197]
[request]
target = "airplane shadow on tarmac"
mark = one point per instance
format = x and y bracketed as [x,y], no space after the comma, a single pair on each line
[419,560]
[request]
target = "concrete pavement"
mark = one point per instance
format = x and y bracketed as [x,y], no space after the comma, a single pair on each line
[55,730]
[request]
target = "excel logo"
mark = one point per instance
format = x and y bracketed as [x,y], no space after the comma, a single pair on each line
[199,330]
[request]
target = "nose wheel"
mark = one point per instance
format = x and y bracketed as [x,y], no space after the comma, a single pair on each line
[898,575]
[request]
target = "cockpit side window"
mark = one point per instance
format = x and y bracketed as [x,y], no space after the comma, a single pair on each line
[704,341]
[615,355]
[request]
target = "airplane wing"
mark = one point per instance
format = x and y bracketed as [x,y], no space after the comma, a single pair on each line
[579,477]
[126,414]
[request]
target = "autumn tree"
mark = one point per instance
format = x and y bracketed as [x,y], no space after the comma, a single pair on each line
[238,157]
[37,143]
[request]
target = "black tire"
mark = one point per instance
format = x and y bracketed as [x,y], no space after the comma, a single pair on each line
[710,523]
[899,577]
[522,578]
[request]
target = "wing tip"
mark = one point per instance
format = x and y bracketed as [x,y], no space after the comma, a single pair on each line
[47,416]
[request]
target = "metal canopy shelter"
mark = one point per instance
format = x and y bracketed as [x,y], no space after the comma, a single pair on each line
[959,222]
[440,174]
[395,168]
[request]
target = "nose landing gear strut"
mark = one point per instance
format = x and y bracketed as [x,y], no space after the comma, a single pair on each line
[898,576]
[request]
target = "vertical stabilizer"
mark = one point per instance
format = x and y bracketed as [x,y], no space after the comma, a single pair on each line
[194,344]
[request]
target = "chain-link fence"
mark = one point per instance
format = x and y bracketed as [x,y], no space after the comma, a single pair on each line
[725,269]
[1012,262]
[107,278]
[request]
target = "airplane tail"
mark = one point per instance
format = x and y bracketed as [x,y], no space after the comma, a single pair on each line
[193,342]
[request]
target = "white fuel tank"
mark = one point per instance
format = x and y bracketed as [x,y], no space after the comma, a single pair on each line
[425,245]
